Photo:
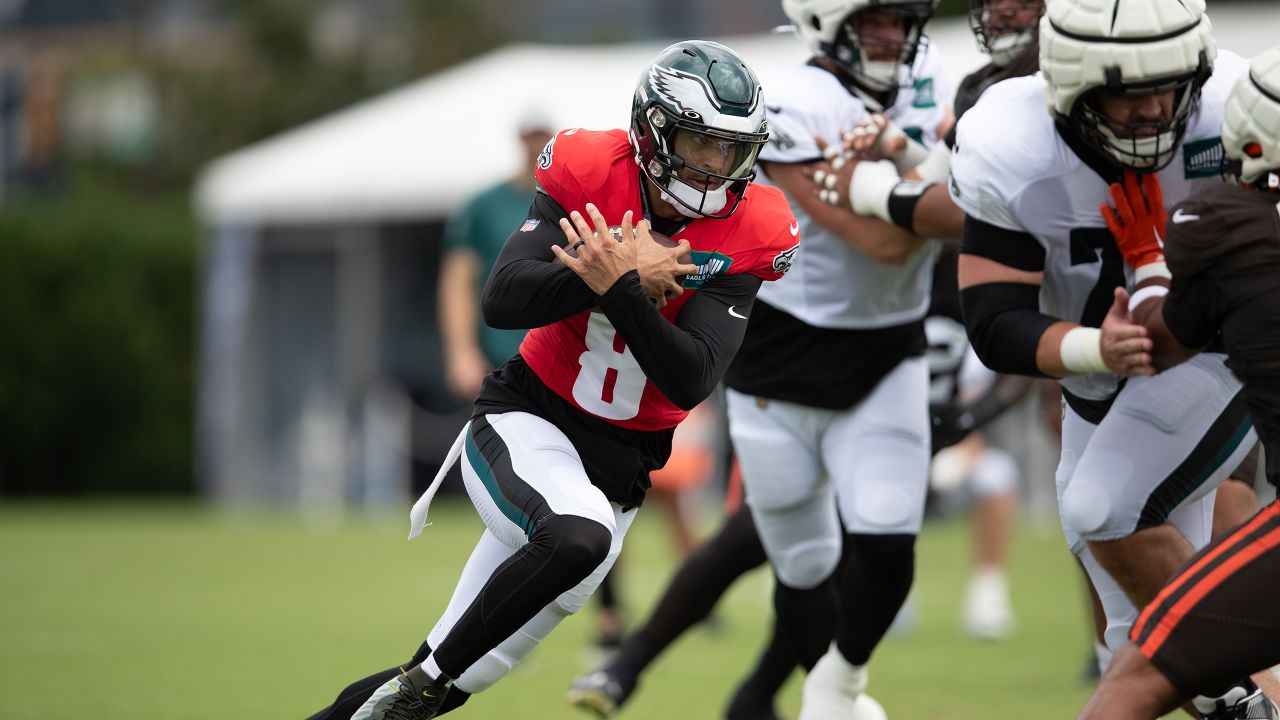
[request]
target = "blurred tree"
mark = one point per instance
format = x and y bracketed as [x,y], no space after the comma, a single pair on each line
[96,306]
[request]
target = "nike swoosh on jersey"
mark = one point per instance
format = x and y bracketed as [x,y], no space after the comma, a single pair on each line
[731,312]
[795,229]
[1180,217]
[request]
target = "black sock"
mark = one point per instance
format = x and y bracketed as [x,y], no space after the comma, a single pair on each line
[693,591]
[561,552]
[874,578]
[607,592]
[806,619]
[754,697]
[355,694]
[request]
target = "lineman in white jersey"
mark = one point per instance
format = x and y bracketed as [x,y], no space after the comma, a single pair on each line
[1133,86]
[828,397]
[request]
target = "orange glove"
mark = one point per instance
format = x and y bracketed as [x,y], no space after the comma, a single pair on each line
[1138,222]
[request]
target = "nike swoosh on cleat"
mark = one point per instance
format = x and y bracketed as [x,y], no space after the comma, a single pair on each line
[731,312]
[1180,217]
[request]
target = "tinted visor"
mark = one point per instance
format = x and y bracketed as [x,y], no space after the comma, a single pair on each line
[720,157]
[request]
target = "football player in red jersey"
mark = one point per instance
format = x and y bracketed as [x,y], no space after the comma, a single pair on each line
[625,340]
[1216,619]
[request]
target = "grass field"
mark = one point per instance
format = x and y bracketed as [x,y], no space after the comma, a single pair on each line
[131,611]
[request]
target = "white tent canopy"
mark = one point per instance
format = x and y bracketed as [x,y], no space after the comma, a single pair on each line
[417,152]
[421,150]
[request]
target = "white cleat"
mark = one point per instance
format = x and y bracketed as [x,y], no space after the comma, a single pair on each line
[866,708]
[833,688]
[988,614]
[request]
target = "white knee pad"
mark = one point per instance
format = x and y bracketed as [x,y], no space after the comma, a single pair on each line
[994,473]
[807,564]
[1085,508]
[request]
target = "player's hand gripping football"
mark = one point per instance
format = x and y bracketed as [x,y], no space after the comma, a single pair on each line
[662,264]
[600,261]
[1126,348]
[1138,220]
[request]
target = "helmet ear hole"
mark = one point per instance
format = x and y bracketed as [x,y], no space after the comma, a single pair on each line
[815,22]
[1253,150]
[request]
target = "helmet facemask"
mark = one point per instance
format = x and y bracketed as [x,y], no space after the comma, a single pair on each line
[701,170]
[873,62]
[1005,31]
[1142,146]
[1233,171]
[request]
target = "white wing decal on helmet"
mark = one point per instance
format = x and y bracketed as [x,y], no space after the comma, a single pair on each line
[687,92]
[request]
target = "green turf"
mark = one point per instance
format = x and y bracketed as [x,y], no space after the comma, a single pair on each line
[131,611]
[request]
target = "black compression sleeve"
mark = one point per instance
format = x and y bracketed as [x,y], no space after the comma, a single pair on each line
[1004,323]
[1006,391]
[685,360]
[1018,250]
[528,286]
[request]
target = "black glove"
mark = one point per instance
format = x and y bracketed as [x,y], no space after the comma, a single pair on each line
[951,424]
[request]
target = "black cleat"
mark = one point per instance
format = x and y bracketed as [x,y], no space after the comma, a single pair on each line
[600,692]
[411,696]
[745,706]
[1238,704]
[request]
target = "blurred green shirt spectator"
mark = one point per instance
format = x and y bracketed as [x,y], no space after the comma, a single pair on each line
[472,241]
[482,227]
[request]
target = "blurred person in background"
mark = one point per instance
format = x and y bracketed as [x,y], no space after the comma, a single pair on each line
[964,396]
[1216,619]
[472,241]
[626,338]
[828,401]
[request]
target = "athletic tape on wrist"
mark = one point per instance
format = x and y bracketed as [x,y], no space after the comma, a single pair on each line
[1156,269]
[1144,294]
[937,166]
[1081,350]
[870,187]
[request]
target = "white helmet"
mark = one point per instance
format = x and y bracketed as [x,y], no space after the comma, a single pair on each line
[1125,47]
[1251,128]
[1004,32]
[826,27]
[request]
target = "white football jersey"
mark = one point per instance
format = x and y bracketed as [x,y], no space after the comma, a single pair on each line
[831,284]
[1012,169]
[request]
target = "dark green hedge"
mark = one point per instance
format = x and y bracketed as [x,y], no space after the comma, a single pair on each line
[96,344]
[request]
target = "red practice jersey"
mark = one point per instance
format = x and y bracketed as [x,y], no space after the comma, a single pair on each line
[582,358]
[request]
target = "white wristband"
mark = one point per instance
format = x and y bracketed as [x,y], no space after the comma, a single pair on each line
[910,157]
[1081,350]
[870,186]
[1156,269]
[1145,294]
[937,166]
